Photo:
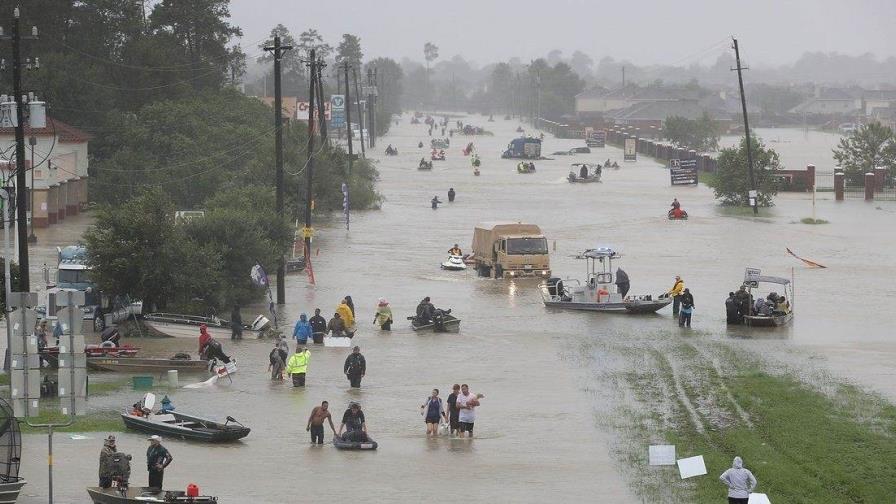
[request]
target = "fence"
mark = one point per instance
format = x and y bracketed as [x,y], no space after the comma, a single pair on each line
[877,185]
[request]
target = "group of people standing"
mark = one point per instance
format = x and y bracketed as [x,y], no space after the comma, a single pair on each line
[458,415]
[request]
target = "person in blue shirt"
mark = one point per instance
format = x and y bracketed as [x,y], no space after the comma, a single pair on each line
[302,330]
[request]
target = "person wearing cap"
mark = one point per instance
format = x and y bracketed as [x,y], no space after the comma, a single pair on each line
[298,366]
[106,465]
[353,423]
[355,367]
[157,459]
[383,316]
[675,292]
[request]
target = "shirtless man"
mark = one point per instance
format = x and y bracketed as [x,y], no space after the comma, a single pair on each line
[316,423]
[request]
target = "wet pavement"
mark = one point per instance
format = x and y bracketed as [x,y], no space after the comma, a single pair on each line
[543,428]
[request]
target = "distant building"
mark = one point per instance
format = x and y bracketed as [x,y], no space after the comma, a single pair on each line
[599,101]
[831,101]
[60,174]
[647,108]
[874,100]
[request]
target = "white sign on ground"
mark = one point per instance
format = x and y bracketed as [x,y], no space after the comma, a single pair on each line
[337,342]
[758,498]
[661,455]
[691,466]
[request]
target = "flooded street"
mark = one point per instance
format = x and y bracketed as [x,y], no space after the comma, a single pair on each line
[546,430]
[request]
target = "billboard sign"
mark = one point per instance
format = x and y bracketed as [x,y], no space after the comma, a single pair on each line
[683,171]
[337,111]
[631,152]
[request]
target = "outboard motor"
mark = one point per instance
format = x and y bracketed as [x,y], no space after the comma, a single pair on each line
[121,470]
[438,321]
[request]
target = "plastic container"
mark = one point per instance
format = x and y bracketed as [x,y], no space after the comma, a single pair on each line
[192,490]
[142,382]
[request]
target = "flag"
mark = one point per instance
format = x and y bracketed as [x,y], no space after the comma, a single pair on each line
[345,204]
[259,277]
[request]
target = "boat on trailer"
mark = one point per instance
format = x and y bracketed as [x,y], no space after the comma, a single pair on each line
[602,290]
[178,325]
[775,318]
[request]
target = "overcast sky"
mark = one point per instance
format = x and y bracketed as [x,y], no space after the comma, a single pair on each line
[645,32]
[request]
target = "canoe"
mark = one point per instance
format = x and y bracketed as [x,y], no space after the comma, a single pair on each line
[182,426]
[9,490]
[149,366]
[450,323]
[341,444]
[139,495]
[187,326]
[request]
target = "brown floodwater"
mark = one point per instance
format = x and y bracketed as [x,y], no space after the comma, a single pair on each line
[542,430]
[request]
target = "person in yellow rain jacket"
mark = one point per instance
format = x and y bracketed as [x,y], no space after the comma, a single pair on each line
[297,366]
[675,292]
[345,313]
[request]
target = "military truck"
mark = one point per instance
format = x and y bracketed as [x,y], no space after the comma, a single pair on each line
[510,250]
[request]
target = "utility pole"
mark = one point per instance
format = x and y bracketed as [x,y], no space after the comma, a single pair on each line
[623,76]
[321,112]
[360,115]
[348,120]
[278,51]
[309,164]
[753,196]
[371,107]
[21,180]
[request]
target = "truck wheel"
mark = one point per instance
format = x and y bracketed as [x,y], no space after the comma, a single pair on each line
[499,271]
[99,324]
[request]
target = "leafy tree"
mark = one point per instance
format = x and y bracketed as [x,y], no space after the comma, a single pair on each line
[291,65]
[582,64]
[311,39]
[137,250]
[349,50]
[202,30]
[871,145]
[501,86]
[430,53]
[389,88]
[733,180]
[699,134]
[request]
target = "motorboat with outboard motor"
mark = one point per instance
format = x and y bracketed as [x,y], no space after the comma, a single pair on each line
[454,263]
[172,424]
[602,290]
[424,165]
[391,151]
[442,321]
[773,315]
[584,173]
[439,143]
[437,156]
[142,495]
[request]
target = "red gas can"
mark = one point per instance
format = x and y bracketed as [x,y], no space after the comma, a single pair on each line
[192,490]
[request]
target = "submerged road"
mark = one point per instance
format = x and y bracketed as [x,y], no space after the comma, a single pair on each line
[546,430]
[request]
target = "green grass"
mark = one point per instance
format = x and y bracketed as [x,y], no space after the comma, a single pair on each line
[810,220]
[95,421]
[4,379]
[802,445]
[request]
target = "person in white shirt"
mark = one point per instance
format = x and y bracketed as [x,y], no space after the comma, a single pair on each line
[466,404]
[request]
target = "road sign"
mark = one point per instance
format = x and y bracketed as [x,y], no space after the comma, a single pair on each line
[337,111]
[683,171]
[302,110]
[630,153]
[752,274]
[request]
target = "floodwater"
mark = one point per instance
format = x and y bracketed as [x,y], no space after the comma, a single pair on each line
[543,432]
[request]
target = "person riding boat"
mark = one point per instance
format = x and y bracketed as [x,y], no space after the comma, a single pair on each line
[583,172]
[425,311]
[675,203]
[354,424]
[210,348]
[455,251]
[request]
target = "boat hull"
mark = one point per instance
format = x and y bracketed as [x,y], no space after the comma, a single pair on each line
[178,330]
[370,444]
[9,491]
[450,324]
[150,366]
[199,429]
[589,180]
[141,495]
[629,307]
[771,321]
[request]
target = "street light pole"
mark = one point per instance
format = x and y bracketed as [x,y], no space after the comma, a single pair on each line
[32,238]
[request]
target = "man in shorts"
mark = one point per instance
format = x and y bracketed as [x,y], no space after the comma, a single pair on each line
[466,402]
[316,423]
[453,412]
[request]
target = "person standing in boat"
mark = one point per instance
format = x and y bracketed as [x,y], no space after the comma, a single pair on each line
[318,327]
[157,459]
[687,308]
[236,323]
[675,294]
